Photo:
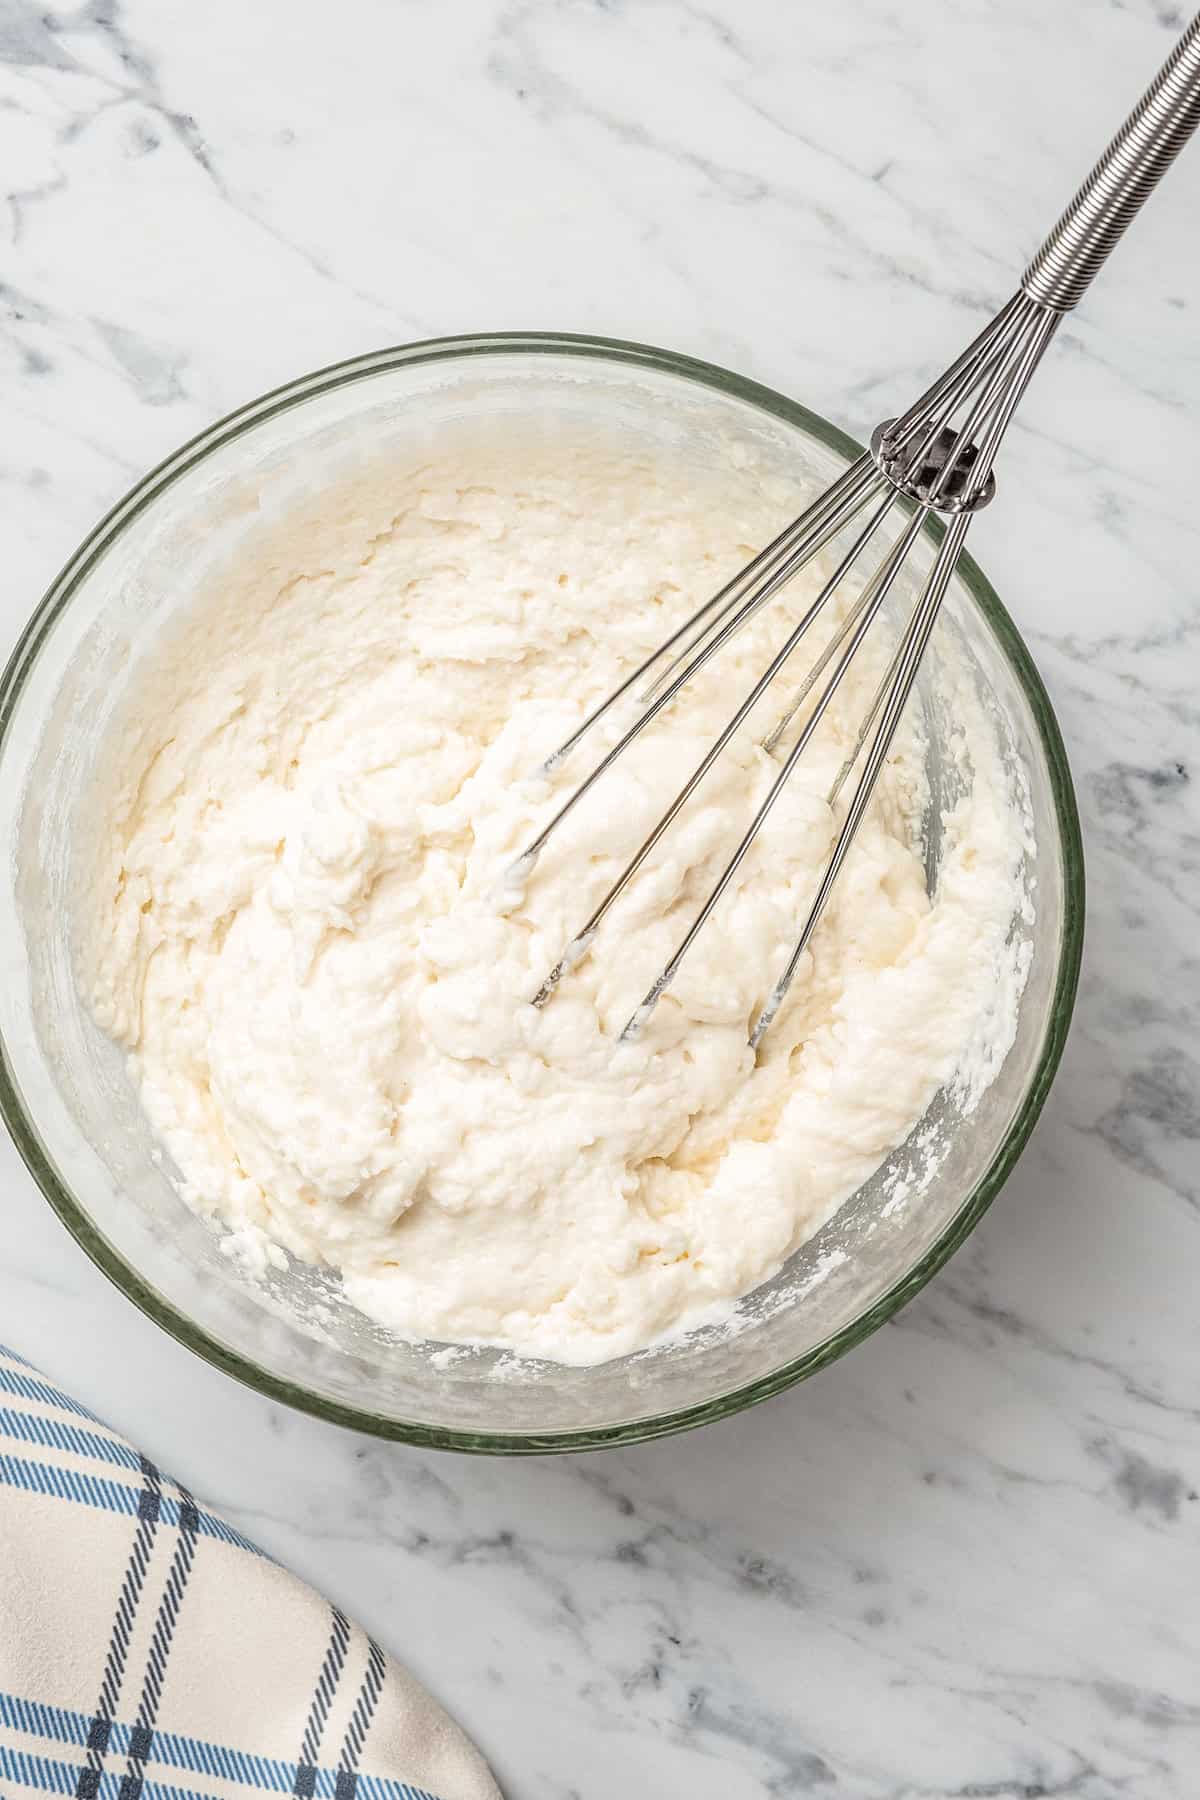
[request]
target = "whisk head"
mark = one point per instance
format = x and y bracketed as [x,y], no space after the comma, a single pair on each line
[936,458]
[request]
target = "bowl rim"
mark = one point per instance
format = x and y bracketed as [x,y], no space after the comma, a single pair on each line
[40,1163]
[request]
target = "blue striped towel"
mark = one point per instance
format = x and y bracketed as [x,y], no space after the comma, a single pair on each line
[150,1652]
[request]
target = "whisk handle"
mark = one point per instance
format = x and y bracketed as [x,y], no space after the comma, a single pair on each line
[1124,178]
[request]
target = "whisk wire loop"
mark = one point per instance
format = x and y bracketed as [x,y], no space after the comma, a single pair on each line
[895,688]
[891,567]
[579,944]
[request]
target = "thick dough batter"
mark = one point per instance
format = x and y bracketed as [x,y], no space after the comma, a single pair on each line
[304,941]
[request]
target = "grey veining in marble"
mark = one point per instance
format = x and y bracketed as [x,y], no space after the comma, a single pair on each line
[965,1561]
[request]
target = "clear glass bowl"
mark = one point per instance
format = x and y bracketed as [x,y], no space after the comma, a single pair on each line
[64,1090]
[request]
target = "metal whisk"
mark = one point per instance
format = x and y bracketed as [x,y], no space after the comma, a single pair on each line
[936,458]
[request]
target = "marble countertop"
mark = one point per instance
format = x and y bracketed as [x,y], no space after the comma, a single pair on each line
[965,1560]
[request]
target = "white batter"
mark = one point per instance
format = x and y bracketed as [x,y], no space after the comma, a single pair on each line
[302,936]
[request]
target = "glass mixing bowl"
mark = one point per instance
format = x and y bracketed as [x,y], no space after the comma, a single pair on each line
[64,1090]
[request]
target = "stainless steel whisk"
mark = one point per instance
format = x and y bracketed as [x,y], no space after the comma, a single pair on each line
[923,462]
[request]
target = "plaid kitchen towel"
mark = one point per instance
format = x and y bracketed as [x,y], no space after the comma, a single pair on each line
[149,1652]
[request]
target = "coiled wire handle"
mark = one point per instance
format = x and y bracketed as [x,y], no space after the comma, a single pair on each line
[1123,179]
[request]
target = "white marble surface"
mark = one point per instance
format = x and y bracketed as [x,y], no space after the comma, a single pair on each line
[965,1561]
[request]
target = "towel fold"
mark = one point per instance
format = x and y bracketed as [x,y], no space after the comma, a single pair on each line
[148,1651]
